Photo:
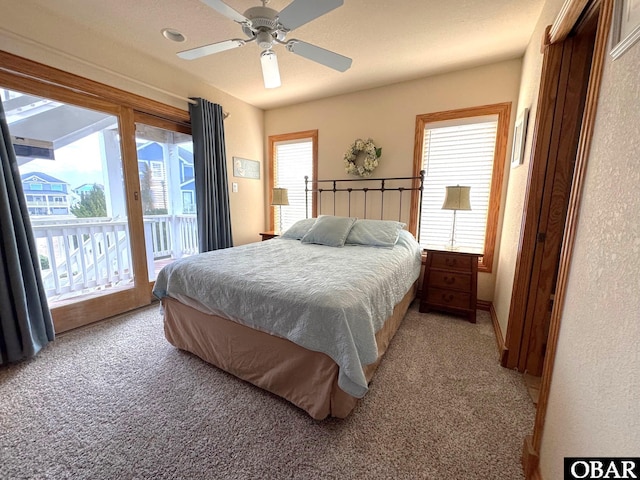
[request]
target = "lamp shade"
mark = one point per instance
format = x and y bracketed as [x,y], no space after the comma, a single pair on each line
[457,198]
[280,196]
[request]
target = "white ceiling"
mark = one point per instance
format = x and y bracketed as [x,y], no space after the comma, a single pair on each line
[389,42]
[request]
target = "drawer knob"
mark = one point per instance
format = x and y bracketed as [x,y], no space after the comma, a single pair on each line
[447,298]
[449,280]
[451,262]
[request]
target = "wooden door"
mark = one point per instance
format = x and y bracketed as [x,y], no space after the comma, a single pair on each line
[558,126]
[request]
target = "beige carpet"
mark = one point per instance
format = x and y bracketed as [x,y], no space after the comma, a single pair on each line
[115,400]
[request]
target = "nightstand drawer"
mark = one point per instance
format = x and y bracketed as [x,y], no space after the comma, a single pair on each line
[447,261]
[450,280]
[448,298]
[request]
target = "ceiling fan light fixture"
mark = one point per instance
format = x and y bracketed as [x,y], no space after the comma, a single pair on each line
[267,27]
[270,71]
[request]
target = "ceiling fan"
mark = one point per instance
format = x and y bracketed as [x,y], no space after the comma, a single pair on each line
[268,27]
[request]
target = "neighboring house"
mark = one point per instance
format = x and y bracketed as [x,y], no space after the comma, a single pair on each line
[46,195]
[86,188]
[152,166]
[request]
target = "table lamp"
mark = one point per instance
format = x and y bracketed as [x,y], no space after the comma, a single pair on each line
[457,198]
[280,197]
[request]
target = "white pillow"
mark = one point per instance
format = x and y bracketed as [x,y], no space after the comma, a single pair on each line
[376,233]
[329,230]
[299,229]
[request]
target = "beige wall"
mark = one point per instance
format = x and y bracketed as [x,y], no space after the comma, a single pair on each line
[594,403]
[388,116]
[28,32]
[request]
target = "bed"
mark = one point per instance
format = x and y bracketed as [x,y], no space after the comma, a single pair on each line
[306,316]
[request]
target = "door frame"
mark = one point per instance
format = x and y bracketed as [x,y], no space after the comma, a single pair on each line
[572,14]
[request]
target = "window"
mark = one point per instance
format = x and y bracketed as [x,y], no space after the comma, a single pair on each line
[57,187]
[188,202]
[187,172]
[157,171]
[92,128]
[458,154]
[292,156]
[36,186]
[464,147]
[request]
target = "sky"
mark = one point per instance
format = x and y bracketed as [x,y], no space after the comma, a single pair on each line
[77,163]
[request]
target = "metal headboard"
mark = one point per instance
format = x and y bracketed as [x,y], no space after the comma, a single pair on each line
[379,185]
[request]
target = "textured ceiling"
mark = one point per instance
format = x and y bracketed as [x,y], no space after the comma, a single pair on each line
[389,42]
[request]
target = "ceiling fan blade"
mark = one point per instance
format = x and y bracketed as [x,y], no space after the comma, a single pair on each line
[210,49]
[299,12]
[270,71]
[227,11]
[320,55]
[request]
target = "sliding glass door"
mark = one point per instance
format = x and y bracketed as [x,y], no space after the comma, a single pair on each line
[165,166]
[76,190]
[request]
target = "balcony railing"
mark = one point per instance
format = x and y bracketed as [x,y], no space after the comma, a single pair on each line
[44,203]
[84,255]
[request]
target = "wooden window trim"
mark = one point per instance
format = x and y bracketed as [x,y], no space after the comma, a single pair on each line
[503,110]
[285,137]
[58,93]
[163,123]
[43,74]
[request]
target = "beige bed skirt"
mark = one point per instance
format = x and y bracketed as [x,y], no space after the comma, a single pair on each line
[306,378]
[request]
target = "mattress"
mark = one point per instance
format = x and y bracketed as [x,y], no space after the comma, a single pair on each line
[324,299]
[303,377]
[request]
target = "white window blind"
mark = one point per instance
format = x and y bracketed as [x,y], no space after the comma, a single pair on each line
[292,161]
[459,153]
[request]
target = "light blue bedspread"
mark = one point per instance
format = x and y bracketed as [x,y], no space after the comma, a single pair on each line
[326,299]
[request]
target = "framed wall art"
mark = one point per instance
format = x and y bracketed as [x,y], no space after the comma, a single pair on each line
[519,139]
[244,168]
[626,26]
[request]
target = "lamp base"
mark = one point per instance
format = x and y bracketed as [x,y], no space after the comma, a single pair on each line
[451,245]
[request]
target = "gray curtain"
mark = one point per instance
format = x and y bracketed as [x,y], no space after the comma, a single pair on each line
[25,320]
[210,171]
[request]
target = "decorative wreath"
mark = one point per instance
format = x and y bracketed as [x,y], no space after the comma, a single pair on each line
[371,155]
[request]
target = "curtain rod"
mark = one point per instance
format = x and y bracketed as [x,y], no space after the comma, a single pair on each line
[99,67]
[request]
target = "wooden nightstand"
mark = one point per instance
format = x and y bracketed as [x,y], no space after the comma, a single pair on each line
[450,282]
[269,235]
